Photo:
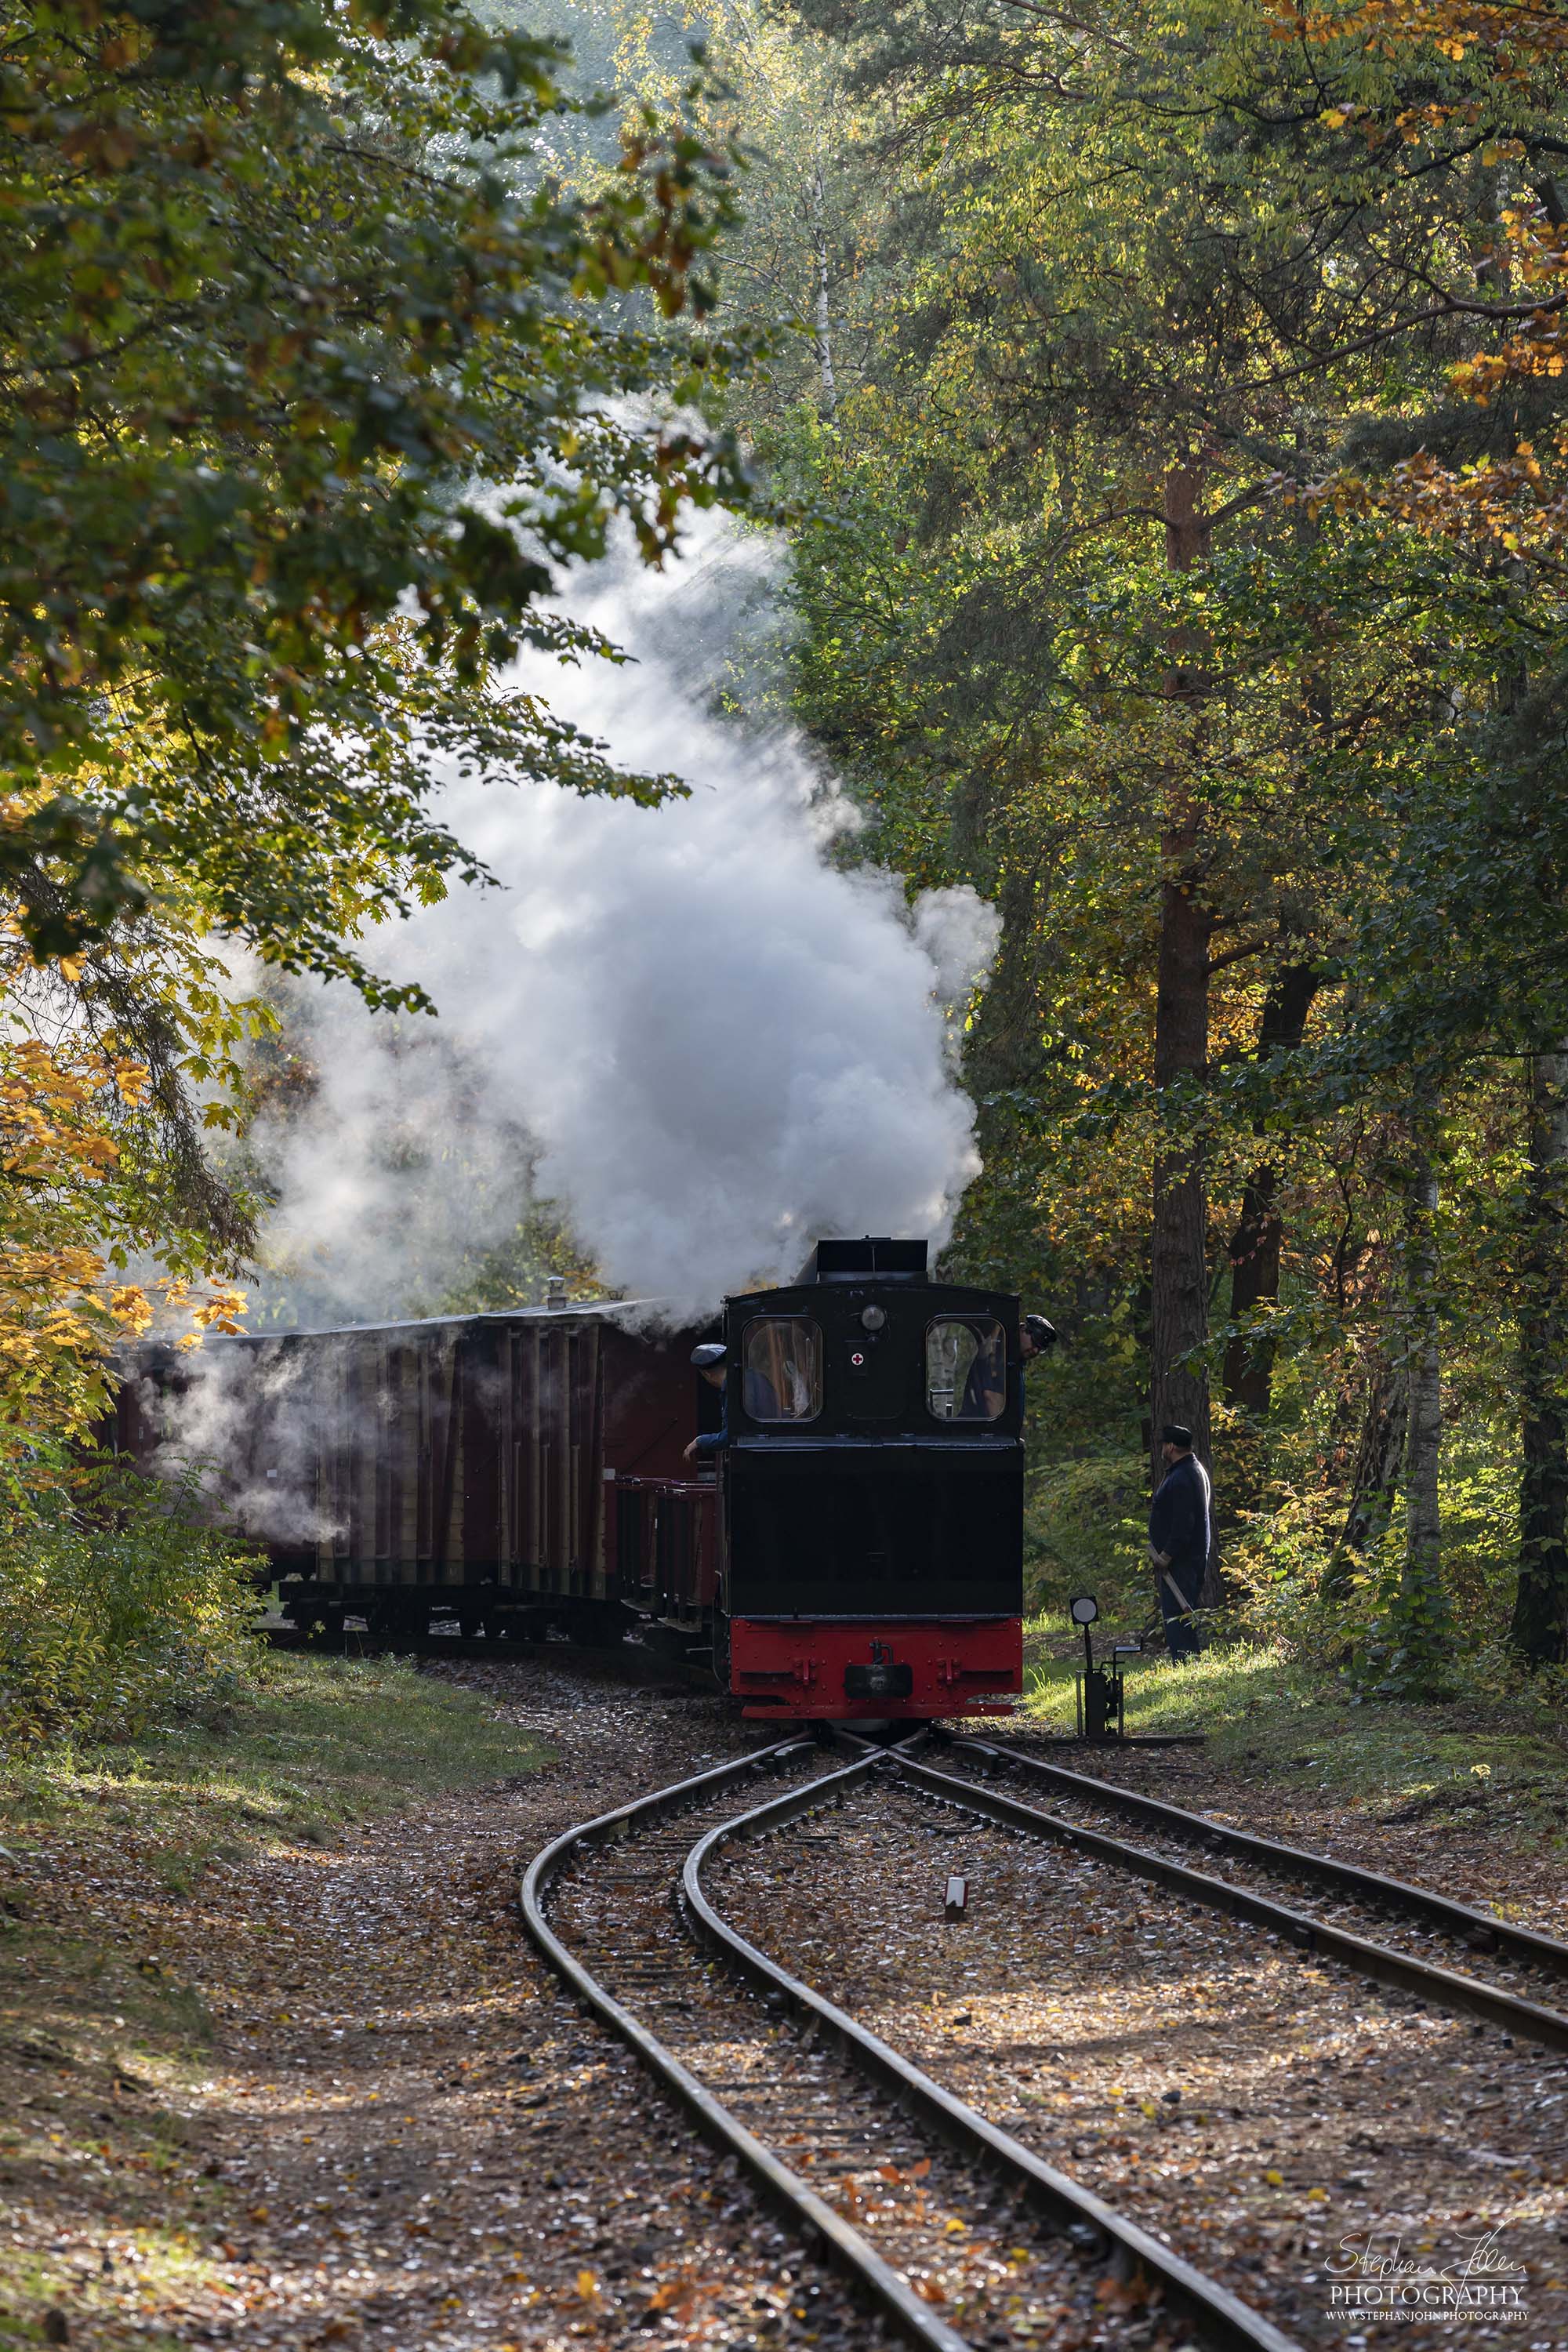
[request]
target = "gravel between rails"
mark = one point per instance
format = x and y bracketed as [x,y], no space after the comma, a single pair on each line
[1475,1847]
[1358,1915]
[1256,2109]
[971,2251]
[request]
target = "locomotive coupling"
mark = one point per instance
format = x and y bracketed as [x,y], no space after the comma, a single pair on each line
[883,1679]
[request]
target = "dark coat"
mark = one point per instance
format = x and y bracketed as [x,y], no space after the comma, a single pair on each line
[987,1378]
[1179,1516]
[713,1441]
[758,1396]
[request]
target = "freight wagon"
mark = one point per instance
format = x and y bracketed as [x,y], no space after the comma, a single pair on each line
[478,1466]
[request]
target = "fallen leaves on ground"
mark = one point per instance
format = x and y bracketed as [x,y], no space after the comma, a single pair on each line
[352,2108]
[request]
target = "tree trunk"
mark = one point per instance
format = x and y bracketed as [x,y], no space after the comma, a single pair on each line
[1178,1263]
[1539,1630]
[1423,1520]
[1255,1245]
[823,290]
[1375,1477]
[1178,1267]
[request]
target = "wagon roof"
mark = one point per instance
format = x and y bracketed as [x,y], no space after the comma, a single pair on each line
[567,1311]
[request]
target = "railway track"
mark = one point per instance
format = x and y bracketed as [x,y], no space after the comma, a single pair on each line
[955,2230]
[628,1662]
[1511,1976]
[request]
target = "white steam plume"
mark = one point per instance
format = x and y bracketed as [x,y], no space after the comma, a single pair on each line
[719,1042]
[241,1423]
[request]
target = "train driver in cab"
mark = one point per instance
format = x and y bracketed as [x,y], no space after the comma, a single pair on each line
[985,1390]
[758,1394]
[709,1361]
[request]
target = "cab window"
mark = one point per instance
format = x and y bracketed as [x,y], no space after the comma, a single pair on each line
[781,1369]
[966,1368]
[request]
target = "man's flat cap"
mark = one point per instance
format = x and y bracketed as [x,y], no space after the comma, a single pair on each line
[1174,1434]
[711,1352]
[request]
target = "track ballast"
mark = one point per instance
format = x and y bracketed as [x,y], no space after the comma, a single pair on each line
[792,2085]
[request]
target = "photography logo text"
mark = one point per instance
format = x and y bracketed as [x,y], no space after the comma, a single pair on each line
[1373,2277]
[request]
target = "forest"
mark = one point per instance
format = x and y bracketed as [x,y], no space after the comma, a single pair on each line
[651,657]
[1155,417]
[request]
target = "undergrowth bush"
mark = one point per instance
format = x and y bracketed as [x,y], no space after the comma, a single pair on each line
[1085,1529]
[119,1608]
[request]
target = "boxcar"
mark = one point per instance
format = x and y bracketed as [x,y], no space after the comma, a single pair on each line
[464,1467]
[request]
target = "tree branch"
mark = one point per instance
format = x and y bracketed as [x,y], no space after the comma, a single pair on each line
[1238,954]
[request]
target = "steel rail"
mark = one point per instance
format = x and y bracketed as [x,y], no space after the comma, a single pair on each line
[843,2245]
[1384,1965]
[628,1660]
[1221,2319]
[1480,1930]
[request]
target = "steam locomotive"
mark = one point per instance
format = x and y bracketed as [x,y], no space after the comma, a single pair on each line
[850,1545]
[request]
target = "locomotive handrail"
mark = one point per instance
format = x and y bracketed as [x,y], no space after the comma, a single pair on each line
[648,1482]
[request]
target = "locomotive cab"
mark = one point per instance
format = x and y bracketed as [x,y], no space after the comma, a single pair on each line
[872,1491]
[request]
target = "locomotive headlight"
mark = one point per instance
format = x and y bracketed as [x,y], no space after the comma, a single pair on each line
[873,1318]
[1083,1608]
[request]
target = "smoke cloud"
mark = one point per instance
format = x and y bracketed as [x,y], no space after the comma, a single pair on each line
[695,1027]
[241,1423]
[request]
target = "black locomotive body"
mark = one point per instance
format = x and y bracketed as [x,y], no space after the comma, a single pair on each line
[871,1560]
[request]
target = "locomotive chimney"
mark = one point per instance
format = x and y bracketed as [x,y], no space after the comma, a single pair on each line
[874,1253]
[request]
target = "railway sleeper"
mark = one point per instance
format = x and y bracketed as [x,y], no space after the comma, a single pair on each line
[818,2226]
[1479,1931]
[845,2148]
[1406,1971]
[1127,2251]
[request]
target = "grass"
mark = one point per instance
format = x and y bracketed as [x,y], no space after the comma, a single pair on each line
[322,1743]
[100,2037]
[1266,1716]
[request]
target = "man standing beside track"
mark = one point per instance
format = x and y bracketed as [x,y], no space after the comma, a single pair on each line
[1179,1538]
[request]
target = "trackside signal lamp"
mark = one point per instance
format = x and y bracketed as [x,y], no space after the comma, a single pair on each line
[1098,1688]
